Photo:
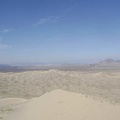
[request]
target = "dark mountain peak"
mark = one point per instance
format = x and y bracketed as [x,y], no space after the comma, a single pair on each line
[109,60]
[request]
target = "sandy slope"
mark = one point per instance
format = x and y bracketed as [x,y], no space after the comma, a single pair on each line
[9,104]
[103,84]
[63,105]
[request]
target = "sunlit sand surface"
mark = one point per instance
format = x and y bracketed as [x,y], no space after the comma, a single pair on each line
[63,95]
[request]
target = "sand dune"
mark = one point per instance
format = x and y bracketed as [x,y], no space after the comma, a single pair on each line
[11,101]
[93,95]
[9,104]
[103,84]
[63,105]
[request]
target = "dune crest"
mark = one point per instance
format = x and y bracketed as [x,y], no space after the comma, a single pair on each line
[29,84]
[63,105]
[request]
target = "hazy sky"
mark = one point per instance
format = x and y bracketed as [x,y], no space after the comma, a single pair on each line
[55,31]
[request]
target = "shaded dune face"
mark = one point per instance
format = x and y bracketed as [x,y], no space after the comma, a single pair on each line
[103,84]
[63,105]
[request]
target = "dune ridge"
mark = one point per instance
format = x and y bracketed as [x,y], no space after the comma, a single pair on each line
[63,105]
[103,84]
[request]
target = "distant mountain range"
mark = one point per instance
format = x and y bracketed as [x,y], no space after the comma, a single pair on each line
[108,61]
[4,66]
[108,64]
[105,64]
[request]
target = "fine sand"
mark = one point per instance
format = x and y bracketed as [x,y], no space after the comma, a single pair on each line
[60,105]
[60,95]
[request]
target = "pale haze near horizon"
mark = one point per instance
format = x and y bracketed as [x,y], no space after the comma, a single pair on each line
[59,31]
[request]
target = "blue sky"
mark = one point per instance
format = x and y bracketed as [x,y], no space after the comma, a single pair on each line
[59,31]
